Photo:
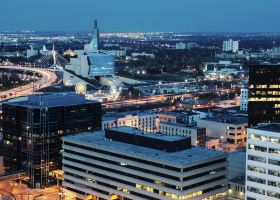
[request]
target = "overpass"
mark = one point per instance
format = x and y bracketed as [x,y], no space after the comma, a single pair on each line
[13,176]
[48,78]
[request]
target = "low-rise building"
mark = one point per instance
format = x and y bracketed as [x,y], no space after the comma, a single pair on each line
[228,128]
[197,134]
[212,143]
[185,117]
[125,163]
[145,120]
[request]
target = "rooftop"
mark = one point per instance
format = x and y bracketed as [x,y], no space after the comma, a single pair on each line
[274,127]
[134,131]
[178,158]
[117,115]
[180,125]
[49,100]
[230,119]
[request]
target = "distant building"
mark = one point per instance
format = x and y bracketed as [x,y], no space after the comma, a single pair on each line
[180,45]
[145,120]
[33,127]
[184,117]
[264,94]
[44,51]
[143,54]
[228,128]
[244,96]
[190,45]
[230,45]
[69,53]
[31,52]
[124,163]
[197,134]
[118,53]
[263,162]
[92,66]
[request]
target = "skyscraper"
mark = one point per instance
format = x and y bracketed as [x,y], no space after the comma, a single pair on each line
[33,127]
[264,94]
[95,37]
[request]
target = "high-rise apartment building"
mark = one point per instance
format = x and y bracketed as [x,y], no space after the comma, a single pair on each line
[33,127]
[263,162]
[244,99]
[125,163]
[230,45]
[264,94]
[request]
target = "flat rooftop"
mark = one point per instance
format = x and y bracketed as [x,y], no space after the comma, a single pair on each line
[49,100]
[181,125]
[178,159]
[133,131]
[230,119]
[274,127]
[117,115]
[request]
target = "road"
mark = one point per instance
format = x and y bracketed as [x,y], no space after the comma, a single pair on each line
[48,78]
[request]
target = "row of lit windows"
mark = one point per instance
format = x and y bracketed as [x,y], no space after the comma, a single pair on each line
[162,128]
[264,99]
[138,186]
[264,138]
[263,160]
[263,192]
[264,86]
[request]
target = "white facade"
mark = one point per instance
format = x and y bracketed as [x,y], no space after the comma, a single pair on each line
[263,163]
[98,168]
[231,132]
[145,121]
[244,99]
[212,143]
[182,130]
[230,45]
[180,45]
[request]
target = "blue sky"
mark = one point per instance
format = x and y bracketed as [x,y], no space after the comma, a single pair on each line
[141,15]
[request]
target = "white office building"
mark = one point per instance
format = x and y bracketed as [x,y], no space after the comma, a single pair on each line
[263,162]
[230,45]
[229,129]
[145,120]
[244,99]
[197,134]
[123,163]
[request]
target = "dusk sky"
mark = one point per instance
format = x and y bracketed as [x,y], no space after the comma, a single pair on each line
[141,15]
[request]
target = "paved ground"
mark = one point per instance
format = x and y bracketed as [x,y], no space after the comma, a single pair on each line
[21,192]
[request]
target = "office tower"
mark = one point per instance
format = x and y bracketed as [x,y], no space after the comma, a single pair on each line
[125,163]
[264,94]
[263,162]
[33,127]
[95,37]
[244,99]
[230,45]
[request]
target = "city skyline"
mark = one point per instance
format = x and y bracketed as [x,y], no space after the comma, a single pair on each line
[181,16]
